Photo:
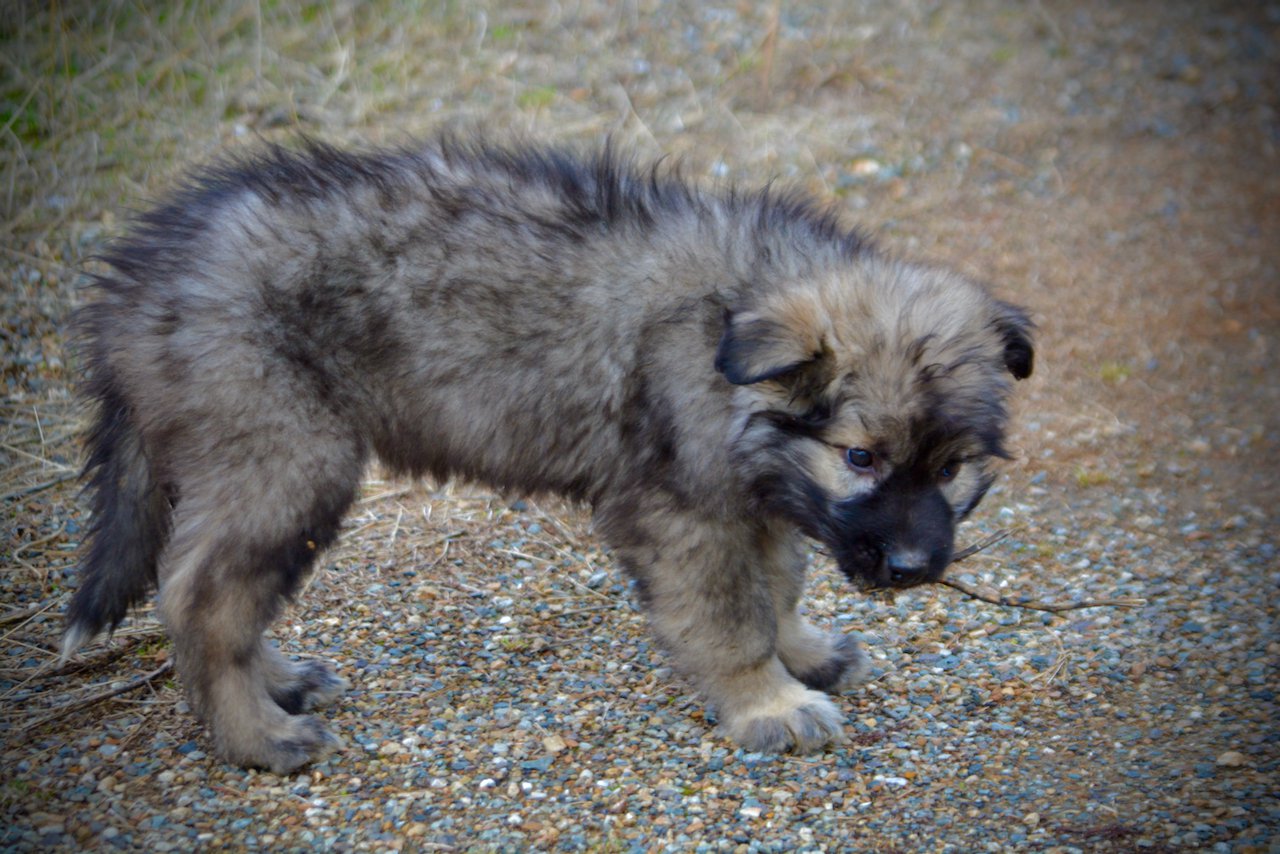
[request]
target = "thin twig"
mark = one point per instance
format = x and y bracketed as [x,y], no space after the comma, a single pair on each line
[396,529]
[1127,602]
[615,605]
[39,487]
[131,685]
[43,461]
[979,546]
[35,544]
[126,642]
[17,614]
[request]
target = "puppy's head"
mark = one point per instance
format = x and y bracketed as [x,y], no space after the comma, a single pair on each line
[875,401]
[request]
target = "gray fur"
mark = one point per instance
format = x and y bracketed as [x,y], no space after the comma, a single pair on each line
[692,364]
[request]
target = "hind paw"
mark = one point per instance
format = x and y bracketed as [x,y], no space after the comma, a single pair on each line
[298,741]
[846,665]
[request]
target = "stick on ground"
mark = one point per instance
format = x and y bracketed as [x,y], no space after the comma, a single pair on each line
[1127,602]
[131,685]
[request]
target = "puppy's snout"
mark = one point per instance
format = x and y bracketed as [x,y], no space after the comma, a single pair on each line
[907,567]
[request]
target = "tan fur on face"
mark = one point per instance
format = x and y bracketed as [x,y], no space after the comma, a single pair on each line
[826,464]
[886,341]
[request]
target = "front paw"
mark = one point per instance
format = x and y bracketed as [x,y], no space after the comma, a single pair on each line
[795,719]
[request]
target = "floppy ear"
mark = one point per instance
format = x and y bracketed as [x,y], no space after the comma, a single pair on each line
[754,349]
[1015,328]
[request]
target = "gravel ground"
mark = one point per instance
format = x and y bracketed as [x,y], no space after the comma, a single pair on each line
[1114,167]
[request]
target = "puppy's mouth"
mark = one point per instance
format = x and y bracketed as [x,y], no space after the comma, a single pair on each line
[874,570]
[910,570]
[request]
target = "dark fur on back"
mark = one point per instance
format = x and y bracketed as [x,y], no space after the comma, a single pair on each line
[714,372]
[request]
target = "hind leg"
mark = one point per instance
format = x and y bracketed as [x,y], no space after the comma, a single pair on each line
[827,661]
[243,537]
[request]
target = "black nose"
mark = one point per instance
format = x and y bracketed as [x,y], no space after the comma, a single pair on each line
[907,567]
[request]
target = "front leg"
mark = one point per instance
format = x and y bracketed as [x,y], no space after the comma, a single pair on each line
[827,661]
[708,594]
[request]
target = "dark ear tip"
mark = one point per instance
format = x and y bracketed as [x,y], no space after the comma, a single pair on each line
[754,350]
[732,359]
[734,356]
[1016,327]
[727,366]
[725,362]
[1020,360]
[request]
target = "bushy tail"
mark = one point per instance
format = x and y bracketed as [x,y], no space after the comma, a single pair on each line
[130,523]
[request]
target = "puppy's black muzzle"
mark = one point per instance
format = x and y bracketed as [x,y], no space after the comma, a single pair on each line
[894,539]
[907,567]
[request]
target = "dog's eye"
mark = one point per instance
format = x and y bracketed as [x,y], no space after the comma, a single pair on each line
[859,459]
[949,471]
